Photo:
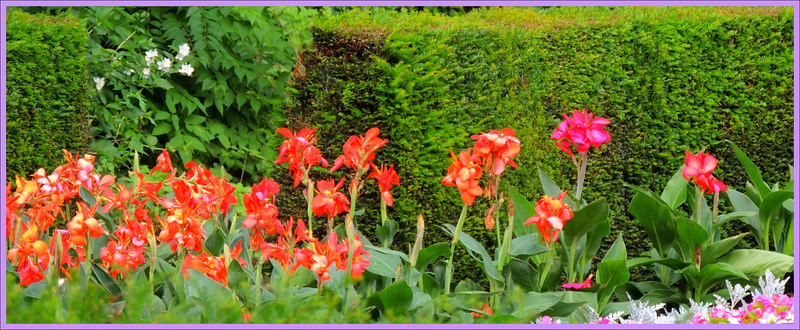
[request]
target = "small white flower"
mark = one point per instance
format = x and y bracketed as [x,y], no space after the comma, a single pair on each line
[129,72]
[150,56]
[146,72]
[165,64]
[183,51]
[99,82]
[186,69]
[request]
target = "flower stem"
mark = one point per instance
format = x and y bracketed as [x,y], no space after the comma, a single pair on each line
[715,234]
[258,282]
[581,175]
[310,188]
[383,221]
[449,272]
[698,211]
[548,263]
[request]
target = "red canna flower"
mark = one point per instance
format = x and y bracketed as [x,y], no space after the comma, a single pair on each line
[386,178]
[31,256]
[486,309]
[359,151]
[551,215]
[464,174]
[329,200]
[213,267]
[497,148]
[299,151]
[585,284]
[360,262]
[583,129]
[164,165]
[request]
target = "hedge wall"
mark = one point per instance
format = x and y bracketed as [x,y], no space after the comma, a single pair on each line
[47,98]
[669,79]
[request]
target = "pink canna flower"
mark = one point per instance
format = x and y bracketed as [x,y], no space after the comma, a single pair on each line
[698,165]
[583,129]
[585,284]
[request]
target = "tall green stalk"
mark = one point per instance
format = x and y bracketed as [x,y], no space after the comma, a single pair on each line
[581,175]
[449,272]
[310,188]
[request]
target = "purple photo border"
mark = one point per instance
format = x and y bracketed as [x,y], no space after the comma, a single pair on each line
[387,3]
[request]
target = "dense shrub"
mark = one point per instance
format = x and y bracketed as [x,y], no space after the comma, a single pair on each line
[47,96]
[223,114]
[669,79]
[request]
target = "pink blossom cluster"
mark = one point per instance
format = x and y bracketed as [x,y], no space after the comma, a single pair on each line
[764,309]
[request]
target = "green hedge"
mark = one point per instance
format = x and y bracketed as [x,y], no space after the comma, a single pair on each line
[669,79]
[47,98]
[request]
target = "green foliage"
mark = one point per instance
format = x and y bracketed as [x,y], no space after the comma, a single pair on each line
[669,80]
[224,114]
[47,97]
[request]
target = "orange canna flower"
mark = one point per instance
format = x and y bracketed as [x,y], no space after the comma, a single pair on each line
[497,148]
[551,215]
[464,174]
[358,151]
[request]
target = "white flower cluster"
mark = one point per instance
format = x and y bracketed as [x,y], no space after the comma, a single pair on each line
[164,65]
[99,82]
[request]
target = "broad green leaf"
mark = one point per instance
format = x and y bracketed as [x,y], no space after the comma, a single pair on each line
[752,171]
[162,128]
[369,248]
[383,264]
[214,242]
[669,262]
[770,206]
[690,236]
[675,192]
[551,189]
[704,279]
[754,263]
[528,245]
[429,254]
[656,218]
[612,273]
[100,276]
[537,302]
[35,290]
[715,250]
[722,219]
[617,251]
[523,210]
[742,203]
[474,247]
[584,221]
[87,197]
[396,298]
[523,274]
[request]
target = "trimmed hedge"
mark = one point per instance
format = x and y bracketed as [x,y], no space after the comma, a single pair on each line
[669,79]
[47,100]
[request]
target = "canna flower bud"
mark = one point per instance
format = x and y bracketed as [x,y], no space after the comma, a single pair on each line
[418,241]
